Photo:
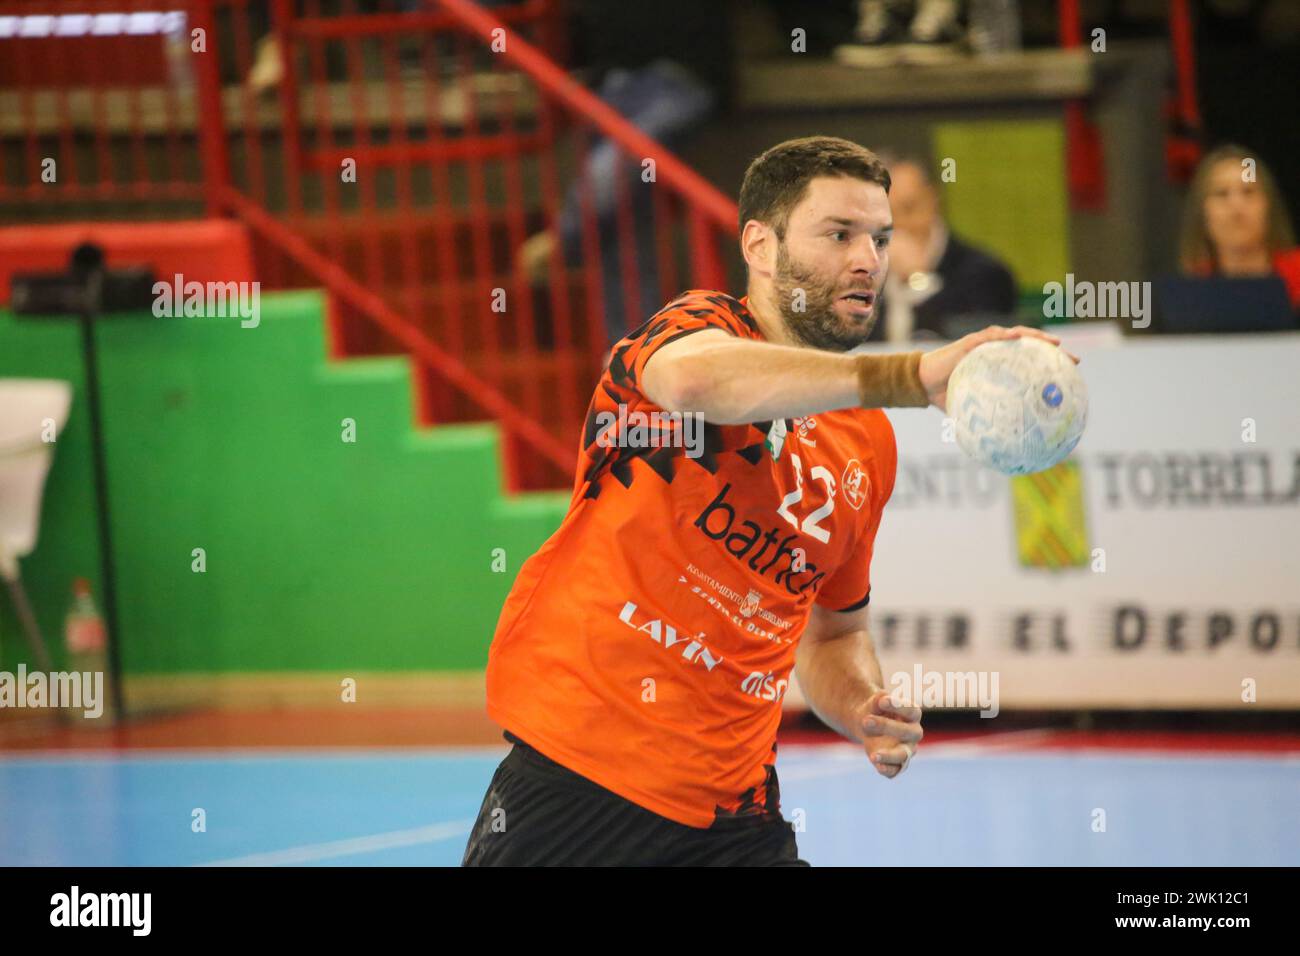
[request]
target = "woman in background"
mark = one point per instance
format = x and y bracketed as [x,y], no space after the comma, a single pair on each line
[1236,223]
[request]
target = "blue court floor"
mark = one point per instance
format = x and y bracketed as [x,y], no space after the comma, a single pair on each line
[414,807]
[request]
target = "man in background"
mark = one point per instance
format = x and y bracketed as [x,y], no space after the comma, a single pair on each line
[938,283]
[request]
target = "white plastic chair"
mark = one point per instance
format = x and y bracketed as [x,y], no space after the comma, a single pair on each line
[30,408]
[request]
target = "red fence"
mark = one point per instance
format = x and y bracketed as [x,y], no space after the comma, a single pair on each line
[462,198]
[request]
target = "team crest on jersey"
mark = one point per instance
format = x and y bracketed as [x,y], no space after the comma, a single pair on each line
[855,485]
[750,605]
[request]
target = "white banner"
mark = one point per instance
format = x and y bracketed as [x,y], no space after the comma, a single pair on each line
[1159,567]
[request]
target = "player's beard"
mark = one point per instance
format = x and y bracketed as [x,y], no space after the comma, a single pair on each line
[818,325]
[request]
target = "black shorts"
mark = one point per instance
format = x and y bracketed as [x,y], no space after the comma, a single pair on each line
[538,813]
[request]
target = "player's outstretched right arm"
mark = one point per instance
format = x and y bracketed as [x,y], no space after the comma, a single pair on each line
[732,380]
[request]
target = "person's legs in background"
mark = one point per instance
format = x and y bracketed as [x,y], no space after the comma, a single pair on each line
[665,101]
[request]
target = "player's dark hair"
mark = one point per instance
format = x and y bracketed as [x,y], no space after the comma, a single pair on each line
[778,179]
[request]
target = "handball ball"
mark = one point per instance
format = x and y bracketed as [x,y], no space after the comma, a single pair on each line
[1019,405]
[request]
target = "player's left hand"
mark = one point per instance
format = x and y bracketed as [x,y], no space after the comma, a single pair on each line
[892,733]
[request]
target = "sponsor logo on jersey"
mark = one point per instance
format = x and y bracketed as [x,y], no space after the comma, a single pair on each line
[764,686]
[804,426]
[749,622]
[691,648]
[747,542]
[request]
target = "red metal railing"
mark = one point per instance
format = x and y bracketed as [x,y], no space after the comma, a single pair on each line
[93,105]
[403,161]
[1183,140]
[1085,167]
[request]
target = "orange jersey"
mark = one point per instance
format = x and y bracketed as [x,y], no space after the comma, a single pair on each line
[648,643]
